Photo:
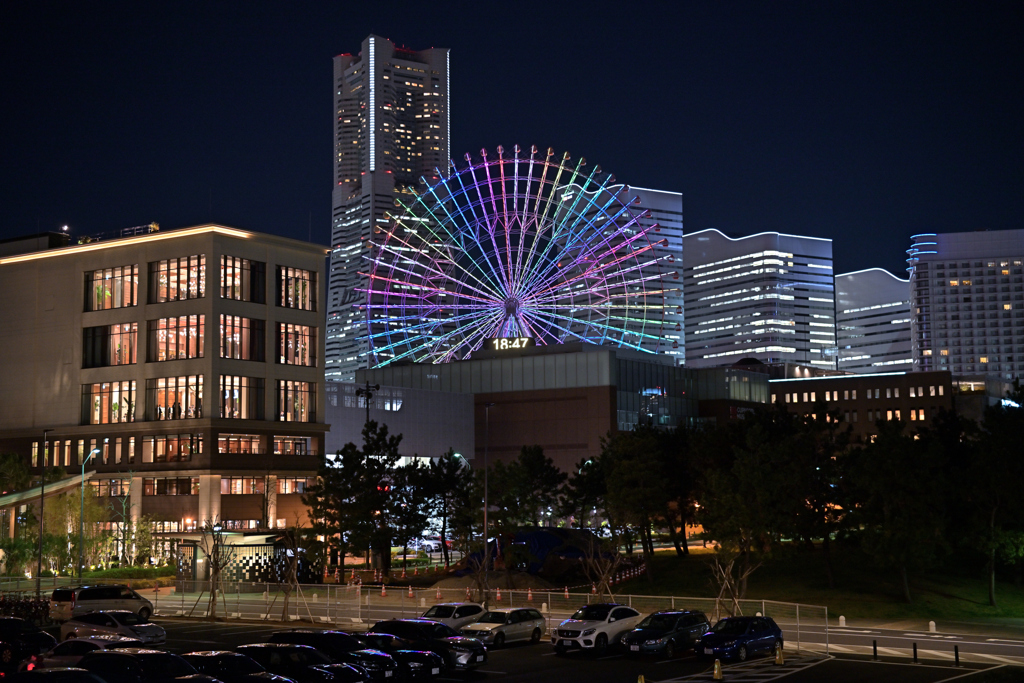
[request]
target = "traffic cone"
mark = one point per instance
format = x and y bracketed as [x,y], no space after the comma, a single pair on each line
[410,592]
[415,571]
[403,572]
[499,595]
[383,590]
[439,593]
[717,675]
[529,594]
[593,589]
[779,659]
[468,596]
[566,592]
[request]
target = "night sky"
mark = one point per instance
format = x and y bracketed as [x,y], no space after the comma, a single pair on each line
[864,122]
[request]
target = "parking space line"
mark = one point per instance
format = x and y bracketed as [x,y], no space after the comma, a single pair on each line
[970,673]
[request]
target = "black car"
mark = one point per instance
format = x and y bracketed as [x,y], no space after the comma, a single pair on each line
[415,664]
[668,632]
[342,649]
[301,663]
[232,667]
[422,634]
[138,665]
[66,674]
[20,639]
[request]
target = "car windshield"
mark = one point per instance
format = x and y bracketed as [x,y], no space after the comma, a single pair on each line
[161,666]
[493,618]
[127,618]
[730,627]
[242,665]
[374,641]
[440,612]
[308,656]
[592,613]
[659,621]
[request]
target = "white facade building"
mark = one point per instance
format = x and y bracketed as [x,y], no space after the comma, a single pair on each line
[967,302]
[873,321]
[667,211]
[768,296]
[391,130]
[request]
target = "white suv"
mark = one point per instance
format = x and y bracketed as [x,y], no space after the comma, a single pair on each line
[594,627]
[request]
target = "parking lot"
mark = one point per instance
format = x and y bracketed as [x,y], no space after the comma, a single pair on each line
[525,662]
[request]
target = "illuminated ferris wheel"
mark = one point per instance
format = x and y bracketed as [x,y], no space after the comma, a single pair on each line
[514,250]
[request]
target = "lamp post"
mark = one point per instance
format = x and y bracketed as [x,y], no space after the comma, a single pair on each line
[487,545]
[81,516]
[367,393]
[42,494]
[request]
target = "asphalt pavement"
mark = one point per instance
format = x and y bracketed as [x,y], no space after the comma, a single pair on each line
[525,662]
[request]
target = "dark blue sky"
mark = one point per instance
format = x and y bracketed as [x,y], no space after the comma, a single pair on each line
[860,121]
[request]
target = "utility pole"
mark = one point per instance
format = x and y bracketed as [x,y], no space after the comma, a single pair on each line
[487,545]
[367,394]
[42,495]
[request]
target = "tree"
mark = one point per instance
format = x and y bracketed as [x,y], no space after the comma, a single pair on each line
[218,554]
[351,504]
[411,502]
[14,473]
[539,483]
[450,494]
[583,494]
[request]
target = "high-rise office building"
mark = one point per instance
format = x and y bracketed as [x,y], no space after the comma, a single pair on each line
[873,321]
[768,296]
[967,302]
[666,209]
[391,130]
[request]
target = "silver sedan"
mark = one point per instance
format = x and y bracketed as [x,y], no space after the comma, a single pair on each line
[112,622]
[500,626]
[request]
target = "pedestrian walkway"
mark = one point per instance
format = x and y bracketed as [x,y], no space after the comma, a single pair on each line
[758,670]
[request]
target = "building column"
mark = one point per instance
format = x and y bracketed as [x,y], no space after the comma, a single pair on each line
[209,499]
[135,502]
[271,495]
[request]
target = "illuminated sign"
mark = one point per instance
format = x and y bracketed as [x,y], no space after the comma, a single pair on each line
[506,343]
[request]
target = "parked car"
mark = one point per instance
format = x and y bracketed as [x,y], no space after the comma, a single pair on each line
[55,675]
[112,622]
[668,632]
[301,663]
[422,634]
[739,637]
[68,653]
[138,665]
[20,639]
[414,664]
[342,648]
[594,627]
[455,614]
[68,602]
[232,667]
[499,626]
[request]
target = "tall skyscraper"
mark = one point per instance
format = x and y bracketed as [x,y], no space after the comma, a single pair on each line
[873,321]
[391,131]
[967,302]
[768,296]
[666,210]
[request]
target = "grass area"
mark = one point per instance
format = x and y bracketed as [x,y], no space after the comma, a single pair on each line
[130,573]
[957,591]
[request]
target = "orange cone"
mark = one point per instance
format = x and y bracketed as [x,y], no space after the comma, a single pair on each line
[468,597]
[415,571]
[439,593]
[566,592]
[403,572]
[383,590]
[593,589]
[410,591]
[499,595]
[529,594]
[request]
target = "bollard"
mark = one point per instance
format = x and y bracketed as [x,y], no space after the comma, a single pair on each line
[758,614]
[915,653]
[717,674]
[874,650]
[779,659]
[423,602]
[544,607]
[842,621]
[931,627]
[956,655]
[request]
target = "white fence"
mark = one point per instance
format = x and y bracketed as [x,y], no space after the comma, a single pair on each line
[360,606]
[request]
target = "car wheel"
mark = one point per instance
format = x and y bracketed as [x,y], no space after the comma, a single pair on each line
[535,636]
[499,640]
[6,655]
[145,614]
[670,650]
[741,653]
[601,645]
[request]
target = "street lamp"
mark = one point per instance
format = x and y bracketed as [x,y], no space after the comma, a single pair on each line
[42,494]
[367,393]
[487,545]
[81,517]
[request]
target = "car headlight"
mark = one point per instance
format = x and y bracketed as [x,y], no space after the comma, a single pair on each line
[657,641]
[589,631]
[729,644]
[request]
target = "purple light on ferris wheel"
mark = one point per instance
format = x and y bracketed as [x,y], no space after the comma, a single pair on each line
[513,247]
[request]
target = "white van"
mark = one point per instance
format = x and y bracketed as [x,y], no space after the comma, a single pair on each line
[68,602]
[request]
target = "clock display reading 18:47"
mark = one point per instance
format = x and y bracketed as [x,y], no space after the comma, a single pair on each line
[506,343]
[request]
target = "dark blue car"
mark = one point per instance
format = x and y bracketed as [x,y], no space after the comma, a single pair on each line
[740,637]
[668,632]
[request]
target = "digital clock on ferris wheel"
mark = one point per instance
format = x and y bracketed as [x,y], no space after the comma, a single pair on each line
[508,343]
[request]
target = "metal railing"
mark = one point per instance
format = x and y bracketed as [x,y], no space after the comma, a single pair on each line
[360,606]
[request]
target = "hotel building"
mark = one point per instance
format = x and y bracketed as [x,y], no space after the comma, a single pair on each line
[187,362]
[967,302]
[768,296]
[391,130]
[873,321]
